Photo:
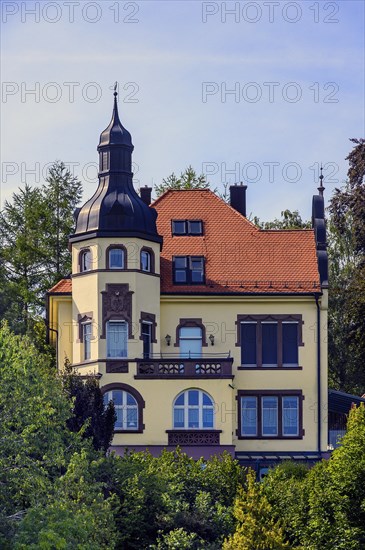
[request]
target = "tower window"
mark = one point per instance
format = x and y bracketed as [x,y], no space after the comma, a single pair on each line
[85,260]
[116,258]
[147,260]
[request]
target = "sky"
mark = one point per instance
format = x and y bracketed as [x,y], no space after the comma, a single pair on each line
[259,92]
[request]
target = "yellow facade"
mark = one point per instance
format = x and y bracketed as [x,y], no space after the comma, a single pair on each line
[219,315]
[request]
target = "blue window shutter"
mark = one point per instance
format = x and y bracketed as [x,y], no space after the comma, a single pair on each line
[269,344]
[290,343]
[248,343]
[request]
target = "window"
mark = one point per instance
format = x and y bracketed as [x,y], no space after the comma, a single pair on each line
[116,339]
[190,339]
[187,227]
[145,261]
[85,260]
[193,409]
[269,341]
[116,258]
[86,337]
[267,415]
[126,409]
[188,269]
[146,330]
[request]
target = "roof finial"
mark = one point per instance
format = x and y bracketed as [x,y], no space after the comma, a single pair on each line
[321,188]
[115,89]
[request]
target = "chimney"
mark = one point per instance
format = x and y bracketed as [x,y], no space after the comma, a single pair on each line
[238,198]
[145,193]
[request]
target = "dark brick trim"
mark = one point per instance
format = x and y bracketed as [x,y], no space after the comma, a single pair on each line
[150,318]
[82,252]
[152,259]
[191,322]
[92,271]
[81,319]
[117,306]
[279,319]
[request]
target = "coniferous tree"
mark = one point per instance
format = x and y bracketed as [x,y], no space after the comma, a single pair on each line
[188,180]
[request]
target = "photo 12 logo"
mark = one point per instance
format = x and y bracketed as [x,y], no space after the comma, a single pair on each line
[269,92]
[270,12]
[52,92]
[269,172]
[70,12]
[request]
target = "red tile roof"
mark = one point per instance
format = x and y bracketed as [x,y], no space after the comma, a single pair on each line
[64,286]
[239,257]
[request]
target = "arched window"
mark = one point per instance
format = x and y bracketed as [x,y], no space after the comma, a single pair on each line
[193,409]
[116,339]
[116,257]
[126,409]
[147,260]
[85,260]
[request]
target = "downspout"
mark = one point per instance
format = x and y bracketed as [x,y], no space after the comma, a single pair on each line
[319,410]
[49,329]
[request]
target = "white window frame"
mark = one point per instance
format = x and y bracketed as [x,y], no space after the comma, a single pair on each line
[109,324]
[86,338]
[124,408]
[122,255]
[149,261]
[186,407]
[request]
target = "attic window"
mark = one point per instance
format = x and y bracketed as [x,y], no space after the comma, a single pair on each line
[187,227]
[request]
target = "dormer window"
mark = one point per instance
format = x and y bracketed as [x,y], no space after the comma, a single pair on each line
[187,227]
[116,258]
[85,260]
[188,270]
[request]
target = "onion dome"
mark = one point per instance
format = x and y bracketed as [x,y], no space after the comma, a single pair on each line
[115,209]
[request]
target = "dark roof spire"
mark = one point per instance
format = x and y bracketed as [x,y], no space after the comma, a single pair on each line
[115,133]
[115,209]
[321,188]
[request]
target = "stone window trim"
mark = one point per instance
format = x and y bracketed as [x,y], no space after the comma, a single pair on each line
[152,259]
[191,322]
[270,393]
[81,255]
[137,396]
[83,318]
[119,247]
[151,319]
[275,318]
[117,306]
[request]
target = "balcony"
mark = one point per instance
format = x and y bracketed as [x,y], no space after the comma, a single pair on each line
[177,367]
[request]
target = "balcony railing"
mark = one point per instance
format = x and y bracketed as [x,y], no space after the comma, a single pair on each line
[201,367]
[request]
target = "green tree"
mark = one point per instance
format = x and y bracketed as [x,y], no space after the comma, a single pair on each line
[89,415]
[289,220]
[256,529]
[35,444]
[188,180]
[336,514]
[34,230]
[347,274]
[61,193]
[76,514]
[22,260]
